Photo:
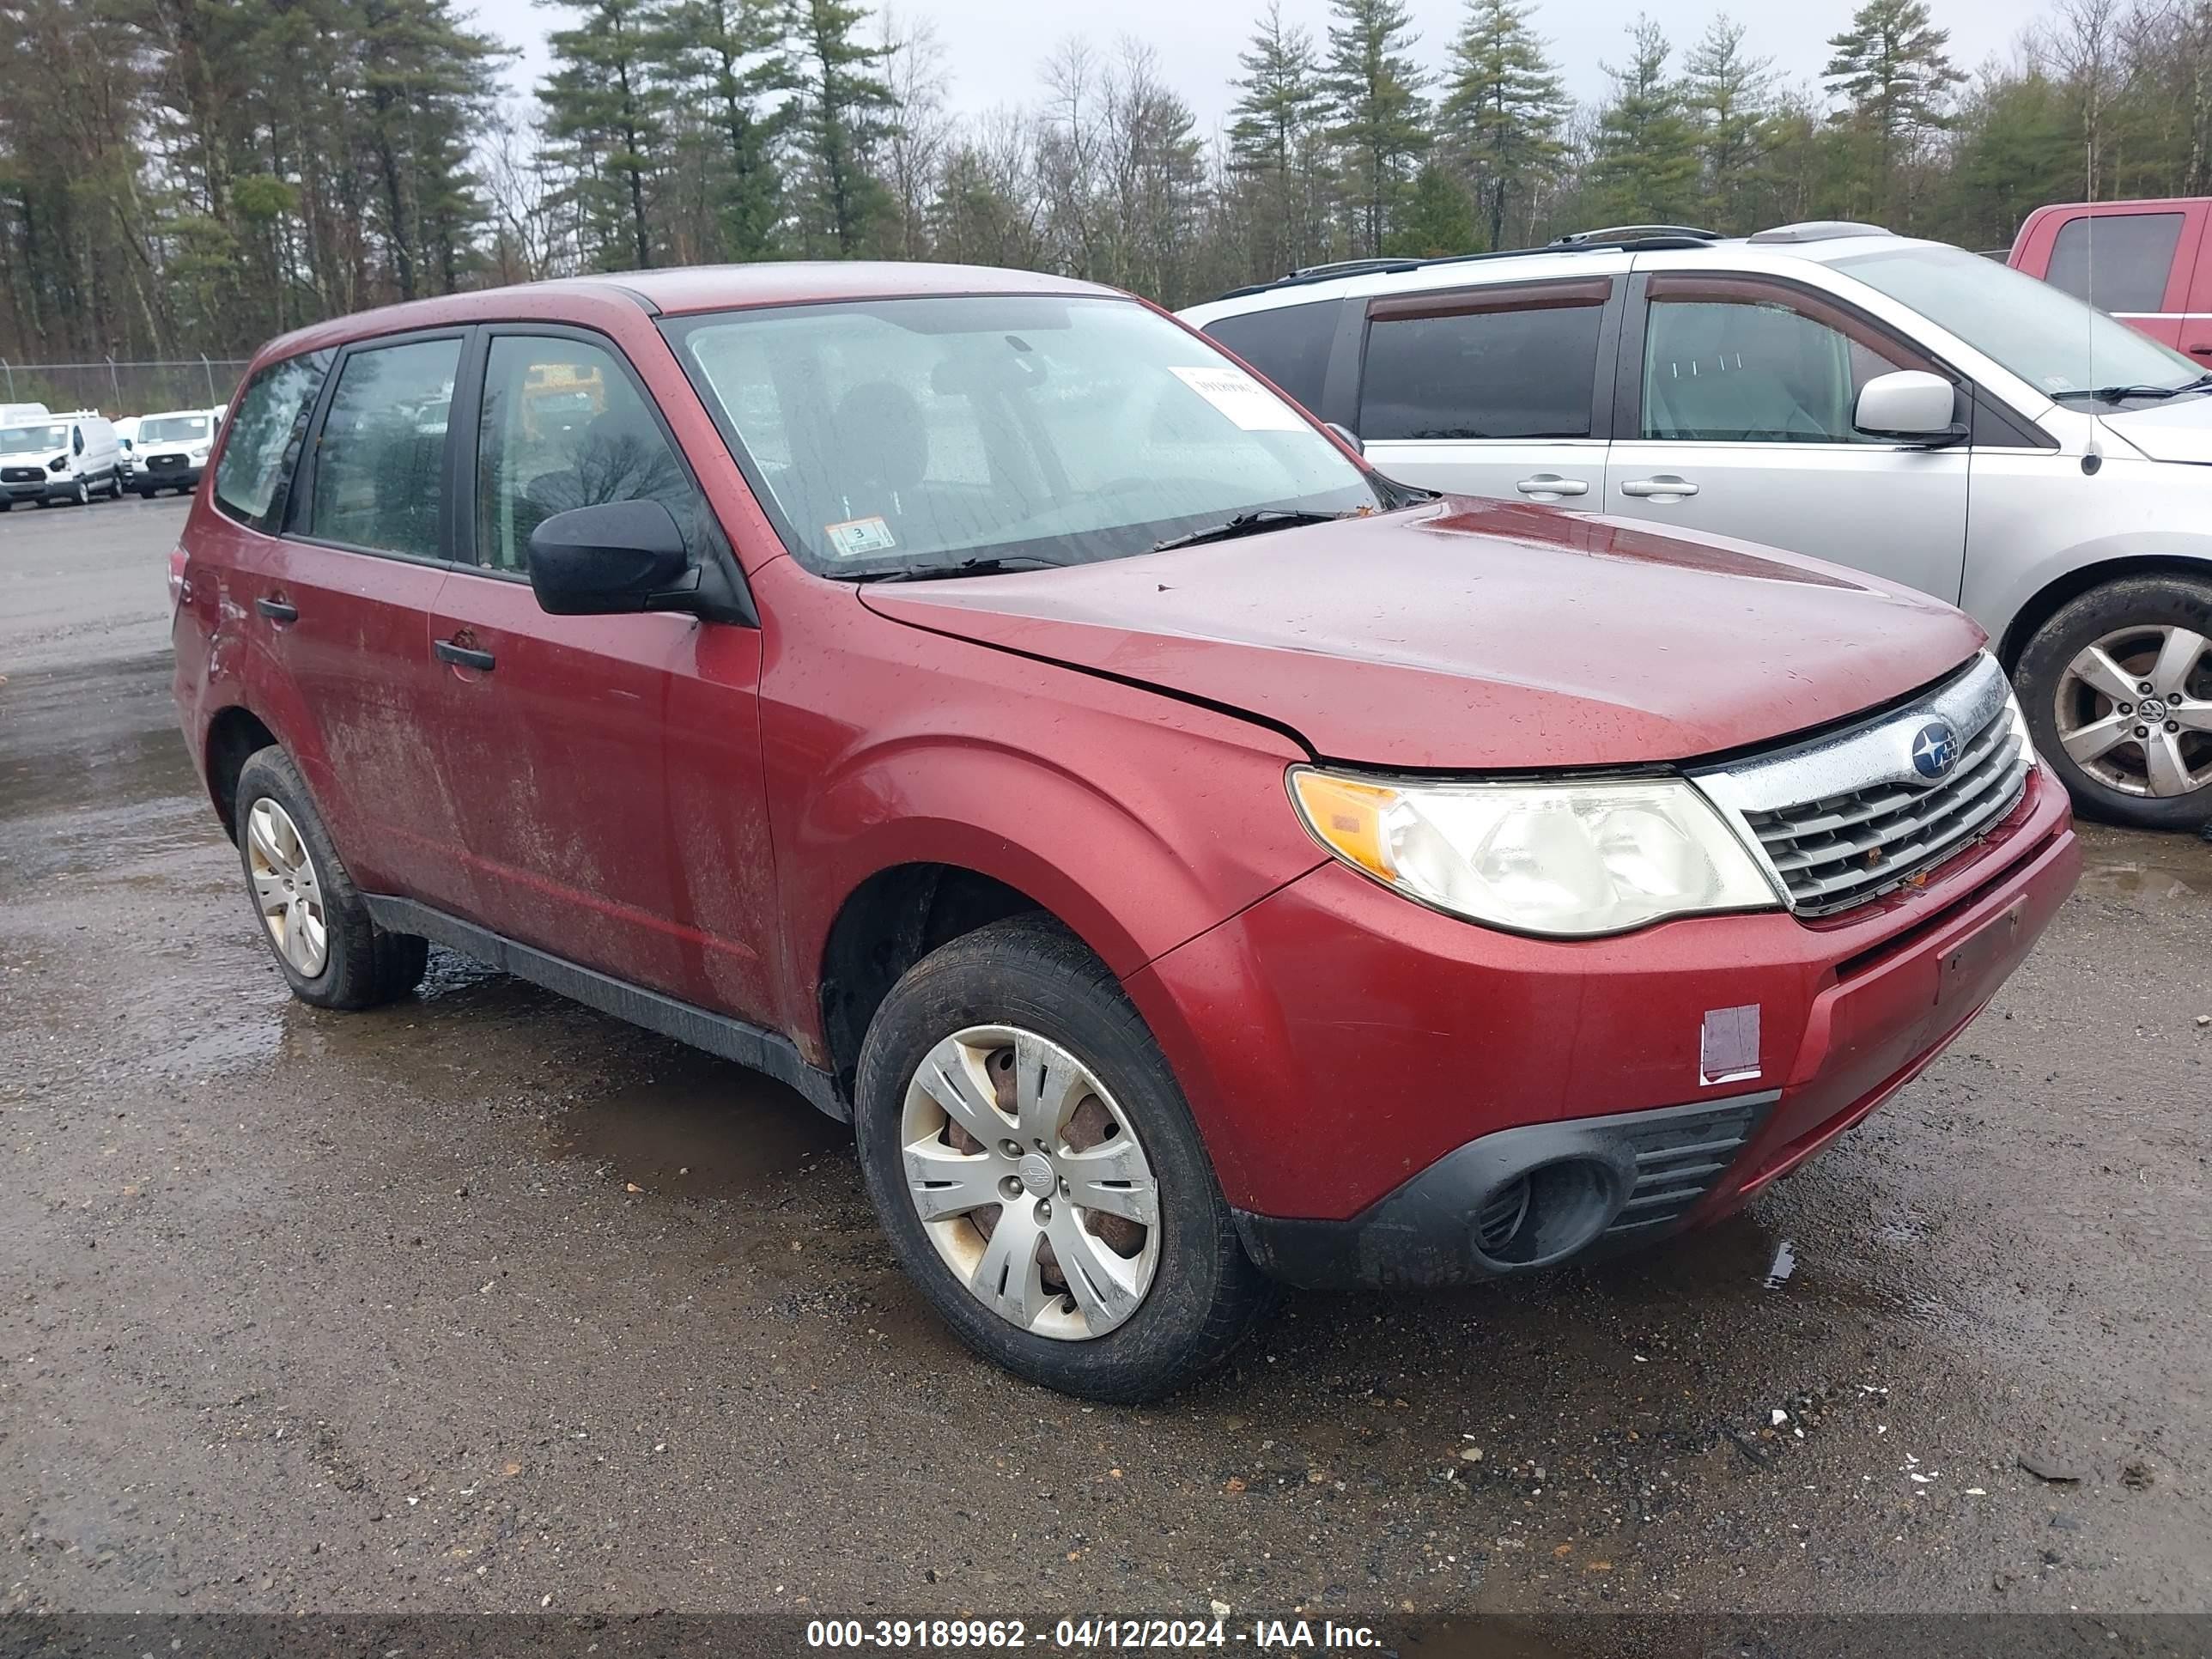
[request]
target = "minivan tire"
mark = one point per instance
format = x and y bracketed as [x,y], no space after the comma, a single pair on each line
[1029,973]
[2040,675]
[365,966]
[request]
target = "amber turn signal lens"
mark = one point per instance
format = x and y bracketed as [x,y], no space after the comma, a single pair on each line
[1347,818]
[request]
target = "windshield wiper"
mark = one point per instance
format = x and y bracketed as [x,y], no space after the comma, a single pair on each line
[991,565]
[2114,394]
[1247,524]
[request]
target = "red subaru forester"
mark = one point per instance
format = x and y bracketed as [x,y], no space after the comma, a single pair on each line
[1188,858]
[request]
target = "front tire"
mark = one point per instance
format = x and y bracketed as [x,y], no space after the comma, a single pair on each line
[312,916]
[2117,690]
[1032,1158]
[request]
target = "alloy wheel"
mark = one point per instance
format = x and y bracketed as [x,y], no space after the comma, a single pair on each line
[286,888]
[1030,1183]
[2134,711]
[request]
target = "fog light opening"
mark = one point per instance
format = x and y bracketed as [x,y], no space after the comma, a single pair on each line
[1546,1214]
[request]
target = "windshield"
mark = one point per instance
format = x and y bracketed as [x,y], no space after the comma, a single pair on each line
[171,429]
[23,439]
[2041,333]
[898,434]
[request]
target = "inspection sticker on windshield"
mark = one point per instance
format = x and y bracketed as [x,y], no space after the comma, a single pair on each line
[1242,399]
[856,538]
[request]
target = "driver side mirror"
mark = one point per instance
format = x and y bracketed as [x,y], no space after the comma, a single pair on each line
[1350,437]
[1909,405]
[615,559]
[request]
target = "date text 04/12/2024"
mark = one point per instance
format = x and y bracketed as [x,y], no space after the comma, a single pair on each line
[1087,1635]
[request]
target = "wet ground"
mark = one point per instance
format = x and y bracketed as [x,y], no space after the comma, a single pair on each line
[486,1302]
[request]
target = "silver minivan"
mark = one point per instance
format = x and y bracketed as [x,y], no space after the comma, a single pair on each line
[1913,411]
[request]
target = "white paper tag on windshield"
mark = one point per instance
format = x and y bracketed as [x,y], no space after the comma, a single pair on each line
[1242,399]
[856,538]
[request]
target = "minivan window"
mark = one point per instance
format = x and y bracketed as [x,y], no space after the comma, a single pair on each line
[917,433]
[263,445]
[565,427]
[1733,371]
[1512,373]
[2042,334]
[380,461]
[2133,256]
[1289,345]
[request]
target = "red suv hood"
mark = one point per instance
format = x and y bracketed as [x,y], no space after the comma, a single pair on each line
[1475,634]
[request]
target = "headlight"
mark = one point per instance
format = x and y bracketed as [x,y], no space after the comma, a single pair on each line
[1568,860]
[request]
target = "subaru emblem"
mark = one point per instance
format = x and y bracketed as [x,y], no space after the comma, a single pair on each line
[1934,750]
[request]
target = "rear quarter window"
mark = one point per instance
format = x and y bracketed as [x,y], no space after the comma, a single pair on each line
[252,477]
[1289,345]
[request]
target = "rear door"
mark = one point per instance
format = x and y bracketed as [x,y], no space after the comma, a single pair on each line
[2137,260]
[1501,390]
[606,770]
[343,607]
[1735,409]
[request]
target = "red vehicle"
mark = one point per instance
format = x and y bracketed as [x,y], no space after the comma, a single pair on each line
[2144,262]
[1187,857]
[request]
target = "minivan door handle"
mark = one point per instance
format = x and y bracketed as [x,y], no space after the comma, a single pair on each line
[1550,486]
[461,656]
[281,611]
[1664,487]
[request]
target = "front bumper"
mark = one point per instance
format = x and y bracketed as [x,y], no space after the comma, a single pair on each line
[1374,1079]
[167,478]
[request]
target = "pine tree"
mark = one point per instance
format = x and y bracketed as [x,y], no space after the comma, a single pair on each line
[1439,217]
[1891,66]
[428,84]
[1727,93]
[843,106]
[1380,124]
[1504,109]
[607,114]
[1275,140]
[729,55]
[1645,168]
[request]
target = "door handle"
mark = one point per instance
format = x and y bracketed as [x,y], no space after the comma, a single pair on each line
[2201,351]
[1551,486]
[281,610]
[1664,487]
[461,656]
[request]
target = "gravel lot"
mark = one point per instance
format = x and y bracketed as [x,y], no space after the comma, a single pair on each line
[485,1302]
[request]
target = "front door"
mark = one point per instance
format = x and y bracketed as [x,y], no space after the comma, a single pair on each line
[607,768]
[1491,391]
[1744,390]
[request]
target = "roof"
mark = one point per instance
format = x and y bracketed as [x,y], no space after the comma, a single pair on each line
[680,289]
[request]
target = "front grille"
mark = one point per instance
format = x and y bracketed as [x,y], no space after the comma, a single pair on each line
[164,463]
[1679,1156]
[1846,819]
[22,475]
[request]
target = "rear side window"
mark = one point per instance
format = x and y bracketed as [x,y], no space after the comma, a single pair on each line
[1289,345]
[2116,261]
[1509,373]
[256,470]
[380,465]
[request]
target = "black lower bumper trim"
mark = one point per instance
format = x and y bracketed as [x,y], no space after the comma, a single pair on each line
[1519,1198]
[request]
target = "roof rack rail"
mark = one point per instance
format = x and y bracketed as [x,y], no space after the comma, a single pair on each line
[1632,235]
[1624,238]
[1818,230]
[1351,268]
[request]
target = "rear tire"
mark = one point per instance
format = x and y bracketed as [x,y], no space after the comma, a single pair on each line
[1196,1293]
[82,494]
[2123,636]
[359,965]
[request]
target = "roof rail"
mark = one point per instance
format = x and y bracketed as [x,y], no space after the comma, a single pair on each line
[1633,235]
[1627,238]
[1817,230]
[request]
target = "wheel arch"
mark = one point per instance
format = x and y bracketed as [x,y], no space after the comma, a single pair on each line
[2062,589]
[234,735]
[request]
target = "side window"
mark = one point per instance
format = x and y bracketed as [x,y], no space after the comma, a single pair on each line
[77,441]
[1519,372]
[1739,371]
[379,464]
[1289,345]
[2134,257]
[251,478]
[564,426]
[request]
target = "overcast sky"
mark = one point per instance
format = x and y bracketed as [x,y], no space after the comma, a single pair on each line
[992,47]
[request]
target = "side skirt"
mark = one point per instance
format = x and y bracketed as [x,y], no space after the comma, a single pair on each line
[718,1034]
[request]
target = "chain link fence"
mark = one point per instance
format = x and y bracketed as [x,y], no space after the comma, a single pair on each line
[117,389]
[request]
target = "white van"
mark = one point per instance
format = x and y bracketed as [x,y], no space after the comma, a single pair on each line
[126,435]
[60,458]
[171,451]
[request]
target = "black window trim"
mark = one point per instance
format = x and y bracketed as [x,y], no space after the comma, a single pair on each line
[272,521]
[1509,296]
[1991,423]
[467,416]
[299,509]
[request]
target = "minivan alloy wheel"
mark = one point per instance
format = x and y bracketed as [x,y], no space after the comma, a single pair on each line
[286,888]
[1029,1181]
[2134,710]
